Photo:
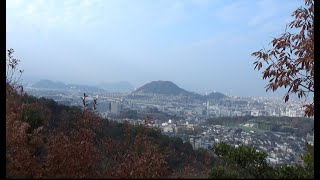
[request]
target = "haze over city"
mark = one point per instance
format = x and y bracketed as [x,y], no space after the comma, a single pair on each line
[201,45]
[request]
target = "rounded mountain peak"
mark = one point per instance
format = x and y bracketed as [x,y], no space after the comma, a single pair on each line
[161,87]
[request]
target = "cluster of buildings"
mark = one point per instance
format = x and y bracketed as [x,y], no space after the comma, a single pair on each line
[281,148]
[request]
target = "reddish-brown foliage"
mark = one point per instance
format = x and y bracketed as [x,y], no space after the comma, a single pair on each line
[75,153]
[72,156]
[141,160]
[291,60]
[134,157]
[22,159]
[84,150]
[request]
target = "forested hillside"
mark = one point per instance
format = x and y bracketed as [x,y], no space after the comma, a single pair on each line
[44,139]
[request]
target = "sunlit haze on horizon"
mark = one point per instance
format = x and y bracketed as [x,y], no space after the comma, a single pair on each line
[200,45]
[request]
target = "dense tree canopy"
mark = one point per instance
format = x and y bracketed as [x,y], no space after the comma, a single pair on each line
[247,162]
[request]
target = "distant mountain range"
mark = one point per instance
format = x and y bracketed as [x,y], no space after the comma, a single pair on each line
[48,84]
[168,88]
[56,85]
[110,87]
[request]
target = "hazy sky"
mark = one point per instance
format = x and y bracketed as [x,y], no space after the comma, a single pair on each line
[201,45]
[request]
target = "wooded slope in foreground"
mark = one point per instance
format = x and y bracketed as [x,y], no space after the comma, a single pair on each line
[47,140]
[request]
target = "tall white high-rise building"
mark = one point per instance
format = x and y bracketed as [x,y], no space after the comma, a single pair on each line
[207,108]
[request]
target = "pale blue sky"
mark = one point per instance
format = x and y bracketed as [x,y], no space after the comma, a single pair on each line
[201,45]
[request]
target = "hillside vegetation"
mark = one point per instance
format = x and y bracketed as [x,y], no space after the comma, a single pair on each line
[46,140]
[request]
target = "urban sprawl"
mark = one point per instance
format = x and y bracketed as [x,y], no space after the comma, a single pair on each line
[179,115]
